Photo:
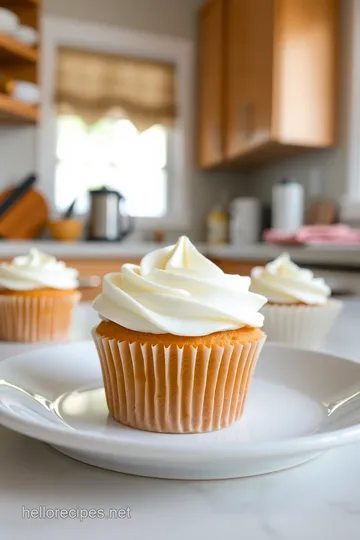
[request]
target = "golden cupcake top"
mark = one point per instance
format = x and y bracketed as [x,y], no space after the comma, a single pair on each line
[176,290]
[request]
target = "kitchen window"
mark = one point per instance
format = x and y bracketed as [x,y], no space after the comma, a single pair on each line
[145,152]
[115,153]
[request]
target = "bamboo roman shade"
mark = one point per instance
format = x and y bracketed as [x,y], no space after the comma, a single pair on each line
[94,85]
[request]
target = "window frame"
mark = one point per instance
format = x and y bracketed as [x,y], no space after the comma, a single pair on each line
[57,32]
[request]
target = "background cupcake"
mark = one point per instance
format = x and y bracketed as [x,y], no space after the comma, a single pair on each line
[178,343]
[37,298]
[299,311]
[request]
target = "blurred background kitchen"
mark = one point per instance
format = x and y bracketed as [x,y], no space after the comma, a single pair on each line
[124,123]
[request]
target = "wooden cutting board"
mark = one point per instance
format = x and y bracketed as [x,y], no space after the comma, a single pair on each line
[321,212]
[28,217]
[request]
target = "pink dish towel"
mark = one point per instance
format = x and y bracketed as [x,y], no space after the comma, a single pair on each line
[315,234]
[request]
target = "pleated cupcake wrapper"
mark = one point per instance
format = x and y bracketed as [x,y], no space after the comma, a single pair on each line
[173,389]
[36,319]
[298,325]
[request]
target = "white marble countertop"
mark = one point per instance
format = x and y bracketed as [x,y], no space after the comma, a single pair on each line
[335,255]
[319,500]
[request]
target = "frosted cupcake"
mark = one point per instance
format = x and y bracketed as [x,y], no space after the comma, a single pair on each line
[37,298]
[178,342]
[299,310]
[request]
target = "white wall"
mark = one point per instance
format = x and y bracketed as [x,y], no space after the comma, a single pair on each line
[17,153]
[321,174]
[171,17]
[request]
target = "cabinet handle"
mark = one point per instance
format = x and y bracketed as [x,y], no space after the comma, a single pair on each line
[216,140]
[245,115]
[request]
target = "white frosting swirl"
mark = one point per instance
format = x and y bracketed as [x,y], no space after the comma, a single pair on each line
[37,271]
[283,282]
[177,290]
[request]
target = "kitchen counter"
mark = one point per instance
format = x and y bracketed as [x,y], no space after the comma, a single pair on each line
[317,500]
[319,255]
[340,256]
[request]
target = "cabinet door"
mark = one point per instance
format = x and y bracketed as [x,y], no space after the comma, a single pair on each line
[211,81]
[249,69]
[306,74]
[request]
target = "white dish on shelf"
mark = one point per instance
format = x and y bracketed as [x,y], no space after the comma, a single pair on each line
[26,92]
[8,21]
[27,35]
[301,404]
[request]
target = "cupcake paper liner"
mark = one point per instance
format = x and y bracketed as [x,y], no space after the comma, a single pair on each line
[36,319]
[299,325]
[176,390]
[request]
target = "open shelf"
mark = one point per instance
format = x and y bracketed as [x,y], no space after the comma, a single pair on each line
[19,3]
[19,61]
[12,51]
[16,112]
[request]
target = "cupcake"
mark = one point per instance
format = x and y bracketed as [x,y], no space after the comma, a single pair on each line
[178,342]
[299,309]
[37,298]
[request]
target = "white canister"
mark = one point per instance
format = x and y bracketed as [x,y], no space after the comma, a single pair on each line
[244,221]
[287,206]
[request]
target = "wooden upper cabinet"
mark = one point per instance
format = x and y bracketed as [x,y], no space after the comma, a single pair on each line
[211,82]
[249,75]
[278,91]
[305,72]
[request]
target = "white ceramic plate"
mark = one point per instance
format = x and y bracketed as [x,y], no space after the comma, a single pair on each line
[301,403]
[8,21]
[26,34]
[26,92]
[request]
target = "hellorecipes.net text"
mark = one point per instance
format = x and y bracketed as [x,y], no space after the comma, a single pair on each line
[76,513]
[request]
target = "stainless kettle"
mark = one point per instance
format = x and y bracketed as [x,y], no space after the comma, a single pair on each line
[108,220]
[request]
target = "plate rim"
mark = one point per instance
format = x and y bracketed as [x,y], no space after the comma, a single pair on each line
[108,445]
